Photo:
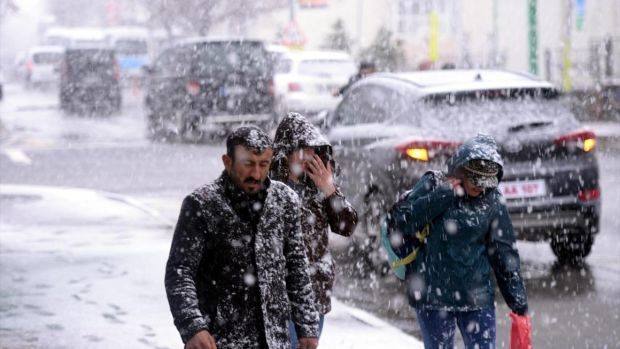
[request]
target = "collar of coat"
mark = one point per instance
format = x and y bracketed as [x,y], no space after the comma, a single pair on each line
[249,207]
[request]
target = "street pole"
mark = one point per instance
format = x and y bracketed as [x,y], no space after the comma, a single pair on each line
[567,82]
[360,16]
[533,36]
[434,39]
[494,43]
[291,8]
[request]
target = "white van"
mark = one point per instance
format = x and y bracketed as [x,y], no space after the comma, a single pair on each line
[42,65]
[306,81]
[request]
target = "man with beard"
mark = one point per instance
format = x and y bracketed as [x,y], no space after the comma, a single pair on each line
[304,160]
[237,269]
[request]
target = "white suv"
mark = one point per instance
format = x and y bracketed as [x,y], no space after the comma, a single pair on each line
[43,64]
[306,81]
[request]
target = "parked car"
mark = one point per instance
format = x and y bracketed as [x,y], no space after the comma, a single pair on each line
[200,87]
[306,81]
[90,81]
[41,65]
[391,128]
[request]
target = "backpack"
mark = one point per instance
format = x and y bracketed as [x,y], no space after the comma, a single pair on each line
[408,247]
[406,252]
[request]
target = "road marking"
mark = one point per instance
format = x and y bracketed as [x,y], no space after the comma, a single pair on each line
[17,156]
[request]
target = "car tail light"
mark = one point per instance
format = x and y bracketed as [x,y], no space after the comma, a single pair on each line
[589,195]
[582,139]
[193,88]
[271,88]
[425,150]
[294,87]
[63,70]
[117,71]
[29,66]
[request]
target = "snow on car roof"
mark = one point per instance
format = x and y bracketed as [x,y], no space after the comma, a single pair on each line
[201,39]
[443,81]
[86,33]
[127,31]
[46,49]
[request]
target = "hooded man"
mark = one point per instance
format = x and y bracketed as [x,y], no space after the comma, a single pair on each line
[304,160]
[237,270]
[470,234]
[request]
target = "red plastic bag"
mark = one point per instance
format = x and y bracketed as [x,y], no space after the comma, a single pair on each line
[521,332]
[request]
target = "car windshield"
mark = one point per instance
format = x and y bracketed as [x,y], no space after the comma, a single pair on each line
[246,57]
[327,68]
[47,57]
[131,47]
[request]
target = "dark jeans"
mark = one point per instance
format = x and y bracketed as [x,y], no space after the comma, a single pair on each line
[293,333]
[477,328]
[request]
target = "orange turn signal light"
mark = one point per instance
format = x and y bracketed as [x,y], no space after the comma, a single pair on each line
[589,144]
[417,153]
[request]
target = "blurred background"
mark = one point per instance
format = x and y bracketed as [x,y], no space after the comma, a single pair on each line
[569,42]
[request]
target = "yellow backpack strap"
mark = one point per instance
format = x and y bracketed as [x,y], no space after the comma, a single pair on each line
[421,235]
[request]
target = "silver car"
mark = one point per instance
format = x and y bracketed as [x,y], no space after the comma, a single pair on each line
[389,129]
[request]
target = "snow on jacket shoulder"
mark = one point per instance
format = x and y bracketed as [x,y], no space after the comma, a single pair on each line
[207,271]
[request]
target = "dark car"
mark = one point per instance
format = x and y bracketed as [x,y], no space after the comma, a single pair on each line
[89,81]
[201,87]
[391,128]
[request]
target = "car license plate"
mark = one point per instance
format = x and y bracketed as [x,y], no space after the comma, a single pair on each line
[523,189]
[91,79]
[234,90]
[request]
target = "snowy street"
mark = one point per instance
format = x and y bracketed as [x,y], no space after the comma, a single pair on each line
[91,276]
[94,278]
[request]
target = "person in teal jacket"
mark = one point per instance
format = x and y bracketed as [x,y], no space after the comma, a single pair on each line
[470,234]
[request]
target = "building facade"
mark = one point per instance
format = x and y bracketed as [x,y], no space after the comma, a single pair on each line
[545,37]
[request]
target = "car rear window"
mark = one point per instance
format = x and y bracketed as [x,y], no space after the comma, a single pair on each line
[492,113]
[47,57]
[283,66]
[90,61]
[327,68]
[224,57]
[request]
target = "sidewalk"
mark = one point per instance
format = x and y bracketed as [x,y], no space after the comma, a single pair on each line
[347,327]
[91,275]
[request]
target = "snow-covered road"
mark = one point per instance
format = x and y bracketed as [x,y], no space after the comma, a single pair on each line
[571,308]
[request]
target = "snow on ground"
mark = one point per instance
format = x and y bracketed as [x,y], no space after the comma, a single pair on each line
[85,269]
[36,118]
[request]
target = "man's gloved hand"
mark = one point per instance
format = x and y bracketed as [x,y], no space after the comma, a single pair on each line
[308,343]
[521,331]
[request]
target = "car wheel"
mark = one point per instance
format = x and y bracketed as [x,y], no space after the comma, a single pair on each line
[572,248]
[190,133]
[156,129]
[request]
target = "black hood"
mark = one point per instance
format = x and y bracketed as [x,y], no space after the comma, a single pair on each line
[294,132]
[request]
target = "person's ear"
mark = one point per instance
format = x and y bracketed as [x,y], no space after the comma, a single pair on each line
[227,162]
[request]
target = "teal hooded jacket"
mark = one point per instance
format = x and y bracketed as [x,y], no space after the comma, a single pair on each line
[469,237]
